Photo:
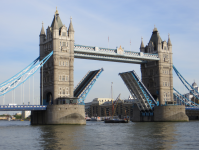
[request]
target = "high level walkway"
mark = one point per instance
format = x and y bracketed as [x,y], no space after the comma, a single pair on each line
[115,55]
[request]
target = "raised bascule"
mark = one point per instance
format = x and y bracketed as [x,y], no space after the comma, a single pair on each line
[61,103]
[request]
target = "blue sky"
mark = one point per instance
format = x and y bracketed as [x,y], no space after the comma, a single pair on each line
[93,22]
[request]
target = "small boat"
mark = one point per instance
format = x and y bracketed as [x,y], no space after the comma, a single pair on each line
[21,120]
[116,121]
[95,119]
[88,119]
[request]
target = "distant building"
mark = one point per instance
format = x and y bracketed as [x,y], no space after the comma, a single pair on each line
[17,114]
[190,95]
[25,114]
[103,107]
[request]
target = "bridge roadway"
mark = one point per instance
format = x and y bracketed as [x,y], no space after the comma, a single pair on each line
[22,107]
[115,55]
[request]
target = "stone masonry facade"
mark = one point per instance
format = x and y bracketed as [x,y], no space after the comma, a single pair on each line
[157,76]
[58,70]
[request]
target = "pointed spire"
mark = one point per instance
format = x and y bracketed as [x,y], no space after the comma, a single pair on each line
[142,43]
[56,12]
[155,29]
[42,30]
[169,41]
[55,25]
[71,29]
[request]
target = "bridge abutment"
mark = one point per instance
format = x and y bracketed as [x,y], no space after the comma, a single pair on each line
[59,114]
[170,113]
[167,113]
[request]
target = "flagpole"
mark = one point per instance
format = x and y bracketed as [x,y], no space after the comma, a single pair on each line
[130,45]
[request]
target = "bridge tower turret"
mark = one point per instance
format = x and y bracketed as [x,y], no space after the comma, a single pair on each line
[42,39]
[157,75]
[71,57]
[142,48]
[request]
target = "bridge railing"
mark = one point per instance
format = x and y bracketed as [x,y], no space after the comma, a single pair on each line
[23,107]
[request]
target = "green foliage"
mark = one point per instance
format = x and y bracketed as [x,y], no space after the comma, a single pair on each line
[17,116]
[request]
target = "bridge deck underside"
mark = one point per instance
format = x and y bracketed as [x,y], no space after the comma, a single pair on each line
[85,82]
[145,101]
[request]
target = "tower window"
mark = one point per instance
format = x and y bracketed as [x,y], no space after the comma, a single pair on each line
[59,78]
[64,43]
[63,63]
[66,78]
[59,63]
[63,78]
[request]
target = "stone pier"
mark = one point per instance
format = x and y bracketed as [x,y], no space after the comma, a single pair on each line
[59,114]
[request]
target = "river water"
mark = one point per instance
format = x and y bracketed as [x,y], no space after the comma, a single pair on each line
[20,135]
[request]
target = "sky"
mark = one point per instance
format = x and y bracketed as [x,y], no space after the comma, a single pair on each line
[93,22]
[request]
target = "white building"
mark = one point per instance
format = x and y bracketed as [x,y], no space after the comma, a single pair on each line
[190,95]
[25,114]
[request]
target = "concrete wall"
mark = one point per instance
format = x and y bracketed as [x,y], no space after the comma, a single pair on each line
[59,114]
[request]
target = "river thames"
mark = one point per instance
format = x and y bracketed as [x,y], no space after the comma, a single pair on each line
[20,135]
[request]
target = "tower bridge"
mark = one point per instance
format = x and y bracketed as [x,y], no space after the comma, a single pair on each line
[154,90]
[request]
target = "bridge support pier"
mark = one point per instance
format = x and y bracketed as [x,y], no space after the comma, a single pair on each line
[169,113]
[59,114]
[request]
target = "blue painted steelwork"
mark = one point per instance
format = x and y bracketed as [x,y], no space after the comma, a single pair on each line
[22,107]
[151,101]
[106,54]
[192,108]
[177,96]
[84,92]
[22,76]
[189,102]
[20,73]
[186,84]
[146,102]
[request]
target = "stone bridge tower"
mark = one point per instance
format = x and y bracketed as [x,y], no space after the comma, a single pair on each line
[157,76]
[58,71]
[56,77]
